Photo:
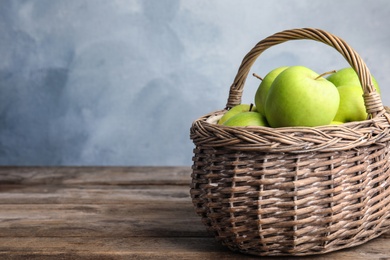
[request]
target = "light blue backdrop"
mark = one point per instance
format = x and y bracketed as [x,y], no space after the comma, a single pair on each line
[96,82]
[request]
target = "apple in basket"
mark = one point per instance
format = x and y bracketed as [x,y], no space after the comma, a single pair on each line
[300,97]
[236,110]
[352,107]
[262,90]
[348,76]
[247,119]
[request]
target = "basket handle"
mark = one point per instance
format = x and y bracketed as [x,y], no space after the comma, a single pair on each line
[372,99]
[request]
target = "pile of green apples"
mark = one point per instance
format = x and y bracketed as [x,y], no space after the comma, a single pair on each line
[298,96]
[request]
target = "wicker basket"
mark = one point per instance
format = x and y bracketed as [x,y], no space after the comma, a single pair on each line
[293,190]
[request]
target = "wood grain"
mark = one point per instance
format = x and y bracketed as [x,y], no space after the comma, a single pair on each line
[115,213]
[95,175]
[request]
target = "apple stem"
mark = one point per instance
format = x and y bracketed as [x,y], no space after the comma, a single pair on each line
[326,73]
[250,107]
[257,76]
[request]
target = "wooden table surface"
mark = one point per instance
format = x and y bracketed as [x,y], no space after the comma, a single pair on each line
[115,213]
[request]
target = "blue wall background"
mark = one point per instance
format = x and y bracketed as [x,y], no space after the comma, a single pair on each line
[95,82]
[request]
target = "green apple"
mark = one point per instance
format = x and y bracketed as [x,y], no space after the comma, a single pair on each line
[336,123]
[262,90]
[351,106]
[300,97]
[247,119]
[236,110]
[348,76]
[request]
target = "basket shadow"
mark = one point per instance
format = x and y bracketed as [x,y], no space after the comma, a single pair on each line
[186,234]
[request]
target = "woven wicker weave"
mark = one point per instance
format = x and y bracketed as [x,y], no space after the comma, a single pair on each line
[294,190]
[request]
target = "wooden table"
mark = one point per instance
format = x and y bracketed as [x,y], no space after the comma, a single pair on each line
[115,213]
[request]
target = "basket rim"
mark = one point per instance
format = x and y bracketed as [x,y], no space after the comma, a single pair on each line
[326,138]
